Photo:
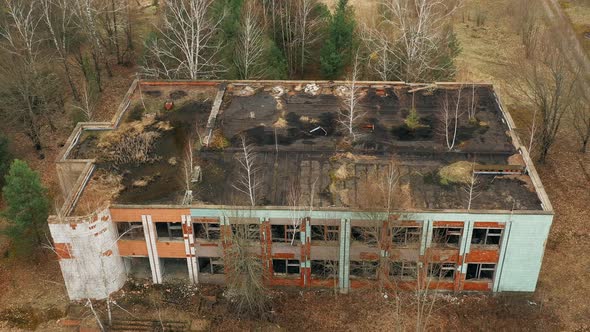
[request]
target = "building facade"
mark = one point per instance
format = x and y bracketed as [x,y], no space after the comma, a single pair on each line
[344,248]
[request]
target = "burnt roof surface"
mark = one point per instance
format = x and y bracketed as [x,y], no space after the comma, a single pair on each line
[302,153]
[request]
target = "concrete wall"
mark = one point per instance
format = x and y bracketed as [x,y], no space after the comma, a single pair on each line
[517,258]
[523,254]
[88,256]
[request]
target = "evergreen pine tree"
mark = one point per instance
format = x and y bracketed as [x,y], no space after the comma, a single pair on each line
[27,206]
[336,53]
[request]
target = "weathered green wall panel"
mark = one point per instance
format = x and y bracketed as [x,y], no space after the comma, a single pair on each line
[523,254]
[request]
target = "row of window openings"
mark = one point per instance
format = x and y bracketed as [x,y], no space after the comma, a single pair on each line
[328,269]
[402,236]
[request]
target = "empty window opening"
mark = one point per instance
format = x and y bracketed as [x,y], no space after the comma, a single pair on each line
[169,230]
[367,235]
[285,266]
[130,230]
[284,233]
[207,231]
[174,269]
[364,269]
[403,270]
[325,233]
[480,271]
[406,236]
[324,269]
[446,236]
[443,271]
[211,265]
[486,236]
[138,267]
[246,231]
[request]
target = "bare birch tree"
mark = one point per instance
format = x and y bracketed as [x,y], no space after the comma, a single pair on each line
[350,116]
[28,91]
[420,29]
[249,181]
[309,30]
[471,188]
[449,117]
[185,47]
[59,19]
[551,86]
[250,44]
[528,22]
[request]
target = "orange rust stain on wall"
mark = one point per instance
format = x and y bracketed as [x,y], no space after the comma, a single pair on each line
[480,224]
[476,286]
[369,256]
[132,248]
[171,249]
[361,283]
[283,255]
[285,282]
[63,250]
[158,215]
[442,255]
[482,256]
[442,285]
[449,224]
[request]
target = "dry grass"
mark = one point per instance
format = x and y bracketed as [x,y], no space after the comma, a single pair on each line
[579,13]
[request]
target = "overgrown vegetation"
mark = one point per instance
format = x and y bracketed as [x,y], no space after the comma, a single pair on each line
[27,207]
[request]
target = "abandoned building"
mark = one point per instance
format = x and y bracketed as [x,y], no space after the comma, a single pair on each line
[336,186]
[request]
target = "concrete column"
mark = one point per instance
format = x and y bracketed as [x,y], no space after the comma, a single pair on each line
[189,247]
[502,254]
[150,239]
[305,236]
[426,236]
[344,261]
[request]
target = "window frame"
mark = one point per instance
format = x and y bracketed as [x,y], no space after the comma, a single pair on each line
[450,231]
[444,266]
[373,265]
[406,236]
[169,229]
[487,235]
[289,262]
[213,261]
[326,234]
[286,230]
[208,228]
[405,265]
[479,268]
[125,230]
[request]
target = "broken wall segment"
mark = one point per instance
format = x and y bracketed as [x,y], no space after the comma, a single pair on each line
[92,267]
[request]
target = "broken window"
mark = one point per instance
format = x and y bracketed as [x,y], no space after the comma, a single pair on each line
[368,235]
[284,233]
[207,231]
[486,236]
[480,271]
[403,270]
[130,230]
[448,236]
[170,230]
[246,231]
[285,266]
[364,269]
[324,269]
[325,233]
[406,236]
[211,265]
[442,271]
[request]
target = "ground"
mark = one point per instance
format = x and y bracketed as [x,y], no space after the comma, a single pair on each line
[559,304]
